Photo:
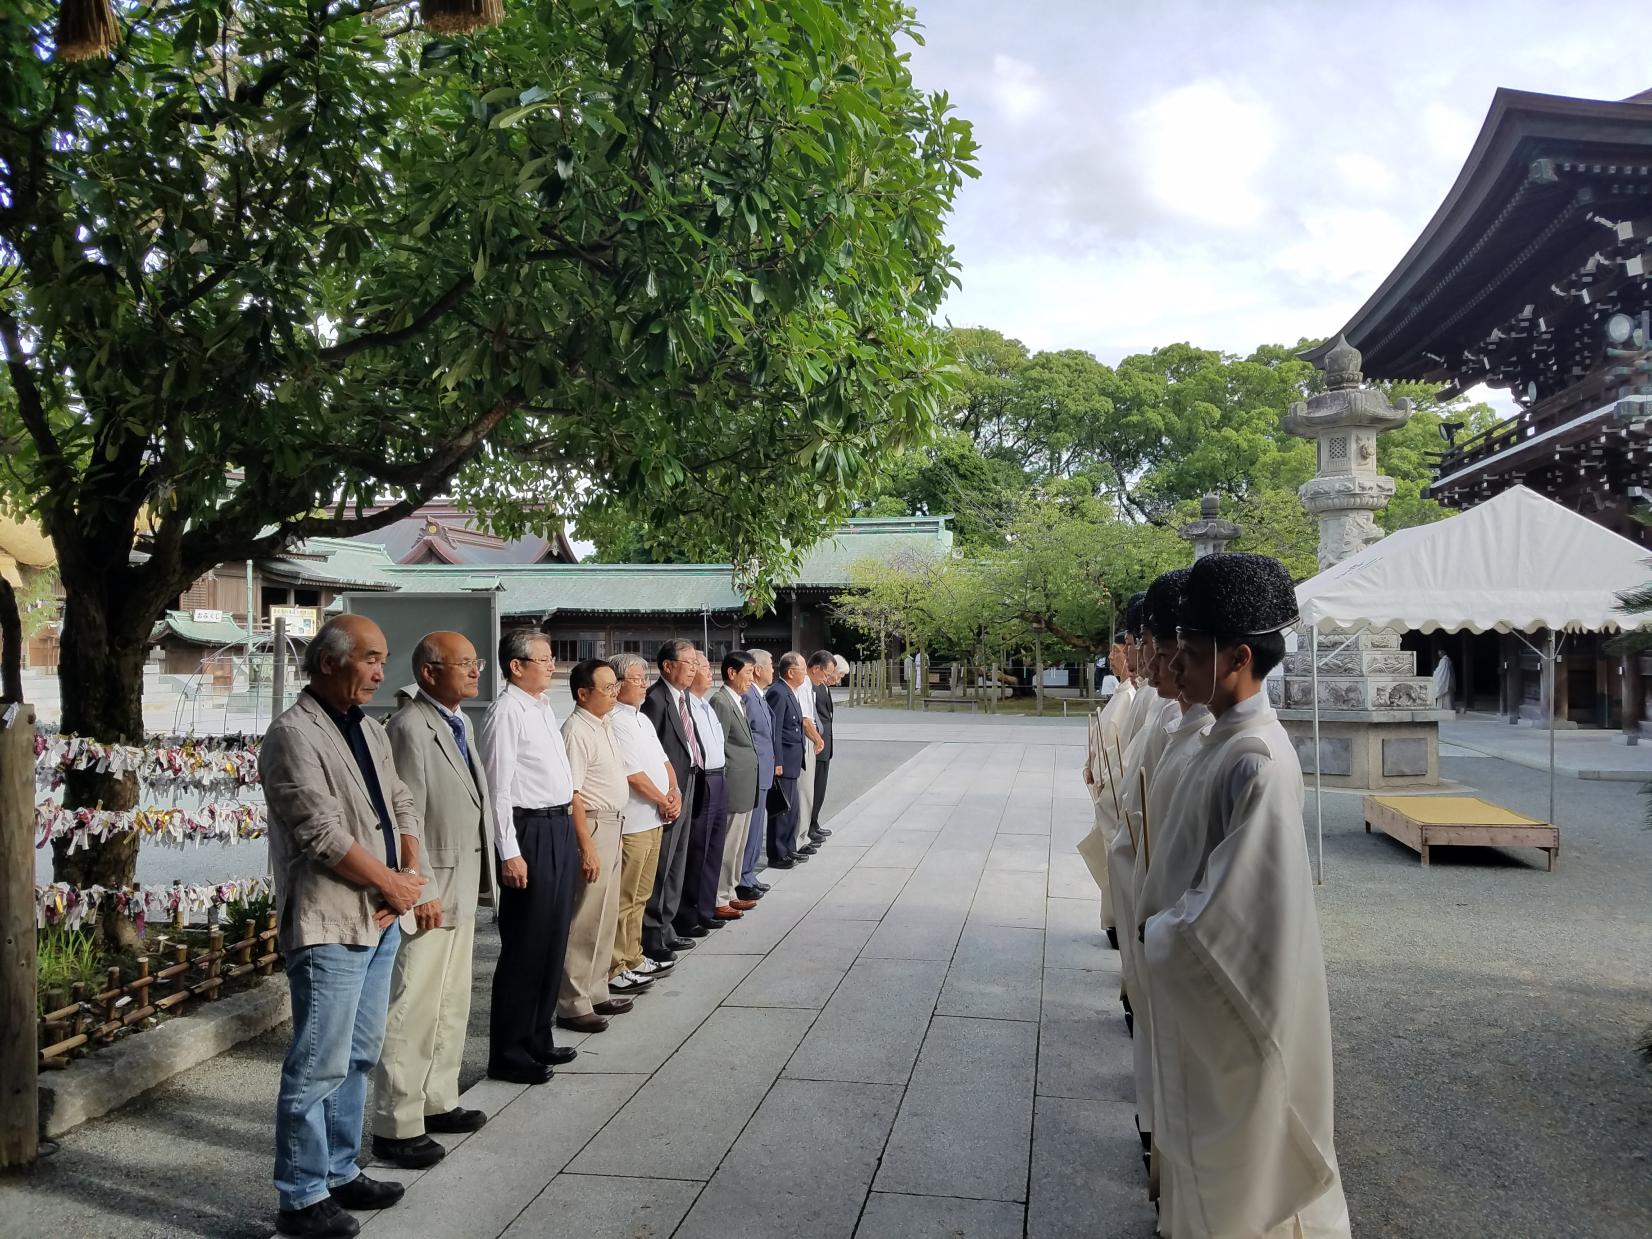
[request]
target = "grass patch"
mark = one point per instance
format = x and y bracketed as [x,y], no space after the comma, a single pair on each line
[64,958]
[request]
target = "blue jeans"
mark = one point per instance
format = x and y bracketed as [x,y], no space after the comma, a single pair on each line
[754,840]
[340,994]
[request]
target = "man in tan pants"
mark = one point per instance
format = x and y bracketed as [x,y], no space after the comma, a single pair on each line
[600,796]
[655,802]
[416,1081]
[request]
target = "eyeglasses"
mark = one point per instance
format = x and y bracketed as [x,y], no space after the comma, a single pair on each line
[464,664]
[543,662]
[607,690]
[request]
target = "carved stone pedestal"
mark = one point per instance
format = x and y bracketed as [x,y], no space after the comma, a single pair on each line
[1376,725]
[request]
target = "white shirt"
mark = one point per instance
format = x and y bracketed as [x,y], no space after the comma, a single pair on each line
[805,694]
[711,731]
[640,752]
[526,763]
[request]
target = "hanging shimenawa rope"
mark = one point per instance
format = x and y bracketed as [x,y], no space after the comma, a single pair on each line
[461,16]
[86,29]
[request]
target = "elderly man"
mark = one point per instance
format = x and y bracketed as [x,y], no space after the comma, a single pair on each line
[600,796]
[666,707]
[814,745]
[416,1083]
[789,742]
[342,876]
[653,805]
[541,861]
[761,719]
[700,913]
[823,673]
[728,703]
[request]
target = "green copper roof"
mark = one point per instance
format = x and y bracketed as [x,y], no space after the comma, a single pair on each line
[185,627]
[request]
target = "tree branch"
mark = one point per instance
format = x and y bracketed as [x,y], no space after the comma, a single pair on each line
[32,410]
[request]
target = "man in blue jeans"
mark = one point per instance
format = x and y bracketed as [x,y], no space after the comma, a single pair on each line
[344,846]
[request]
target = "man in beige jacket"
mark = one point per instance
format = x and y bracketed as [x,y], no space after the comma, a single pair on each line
[339,815]
[416,1084]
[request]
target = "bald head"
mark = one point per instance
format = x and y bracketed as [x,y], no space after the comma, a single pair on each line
[446,667]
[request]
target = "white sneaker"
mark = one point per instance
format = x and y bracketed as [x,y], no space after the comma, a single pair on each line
[649,968]
[624,982]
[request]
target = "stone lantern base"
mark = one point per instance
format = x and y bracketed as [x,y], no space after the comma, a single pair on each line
[1369,748]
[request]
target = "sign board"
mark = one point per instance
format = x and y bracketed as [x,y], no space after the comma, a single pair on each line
[201,615]
[303,622]
[406,617]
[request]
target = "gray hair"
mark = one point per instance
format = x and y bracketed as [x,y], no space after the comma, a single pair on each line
[788,660]
[425,653]
[517,645]
[762,657]
[333,641]
[622,664]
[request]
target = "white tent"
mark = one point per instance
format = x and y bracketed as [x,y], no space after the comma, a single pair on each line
[1516,563]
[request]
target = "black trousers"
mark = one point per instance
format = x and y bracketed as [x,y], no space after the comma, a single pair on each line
[822,766]
[782,827]
[711,863]
[533,939]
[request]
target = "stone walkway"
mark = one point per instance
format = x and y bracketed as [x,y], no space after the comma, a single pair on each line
[916,1034]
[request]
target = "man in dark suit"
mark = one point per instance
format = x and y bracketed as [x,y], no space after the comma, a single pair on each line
[666,707]
[762,736]
[822,674]
[789,740]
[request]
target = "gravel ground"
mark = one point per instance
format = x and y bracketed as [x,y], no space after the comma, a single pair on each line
[193,1157]
[1485,1014]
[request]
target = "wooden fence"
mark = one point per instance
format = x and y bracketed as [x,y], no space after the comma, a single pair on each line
[96,1019]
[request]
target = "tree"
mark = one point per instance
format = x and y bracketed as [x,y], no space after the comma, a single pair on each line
[952,477]
[670,260]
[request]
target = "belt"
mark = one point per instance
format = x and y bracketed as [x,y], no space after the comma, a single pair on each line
[554,810]
[715,770]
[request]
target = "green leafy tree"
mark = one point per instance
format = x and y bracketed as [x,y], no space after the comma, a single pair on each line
[670,260]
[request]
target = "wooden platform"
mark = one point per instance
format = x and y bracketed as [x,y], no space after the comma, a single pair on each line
[1424,822]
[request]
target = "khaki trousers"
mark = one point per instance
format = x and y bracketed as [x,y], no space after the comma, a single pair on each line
[734,855]
[424,1034]
[805,794]
[639,858]
[596,916]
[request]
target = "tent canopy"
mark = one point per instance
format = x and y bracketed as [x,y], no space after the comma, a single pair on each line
[1516,563]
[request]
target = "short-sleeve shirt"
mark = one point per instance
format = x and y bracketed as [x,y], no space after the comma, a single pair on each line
[594,760]
[640,752]
[711,732]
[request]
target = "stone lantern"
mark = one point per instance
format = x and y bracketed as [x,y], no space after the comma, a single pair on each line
[1377,724]
[1210,534]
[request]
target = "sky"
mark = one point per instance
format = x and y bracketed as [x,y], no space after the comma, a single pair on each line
[1227,174]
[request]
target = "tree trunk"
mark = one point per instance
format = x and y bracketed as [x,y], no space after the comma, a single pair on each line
[100,674]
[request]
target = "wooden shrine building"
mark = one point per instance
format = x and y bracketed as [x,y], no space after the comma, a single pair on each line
[1535,275]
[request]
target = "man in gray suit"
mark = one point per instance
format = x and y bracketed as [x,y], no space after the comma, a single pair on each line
[762,734]
[728,703]
[416,1084]
[344,843]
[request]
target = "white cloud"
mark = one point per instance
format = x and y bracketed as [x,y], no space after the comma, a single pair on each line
[1346,244]
[1364,174]
[1204,148]
[1018,89]
[1450,131]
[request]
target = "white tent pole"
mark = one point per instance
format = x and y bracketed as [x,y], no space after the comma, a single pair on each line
[1553,677]
[1319,786]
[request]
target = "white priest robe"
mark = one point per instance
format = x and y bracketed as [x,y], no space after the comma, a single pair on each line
[1182,730]
[1093,847]
[1242,1030]
[1142,755]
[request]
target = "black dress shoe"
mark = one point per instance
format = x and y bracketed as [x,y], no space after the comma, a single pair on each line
[785,863]
[662,956]
[696,931]
[708,926]
[554,1057]
[801,857]
[808,849]
[822,832]
[321,1218]
[535,1073]
[762,886]
[748,892]
[682,944]
[364,1193]
[817,837]
[412,1153]
[459,1120]
[1113,937]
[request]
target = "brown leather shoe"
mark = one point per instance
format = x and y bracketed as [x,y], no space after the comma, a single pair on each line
[726,913]
[592,1023]
[614,1006]
[742,905]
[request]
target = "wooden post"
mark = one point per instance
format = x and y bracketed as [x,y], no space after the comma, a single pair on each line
[1038,673]
[19,1048]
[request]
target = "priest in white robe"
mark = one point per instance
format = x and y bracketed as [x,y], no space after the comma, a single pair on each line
[1116,722]
[1241,1020]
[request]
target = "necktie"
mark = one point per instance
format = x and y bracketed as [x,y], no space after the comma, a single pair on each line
[457,726]
[695,759]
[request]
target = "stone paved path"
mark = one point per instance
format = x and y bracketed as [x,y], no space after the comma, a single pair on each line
[915,1035]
